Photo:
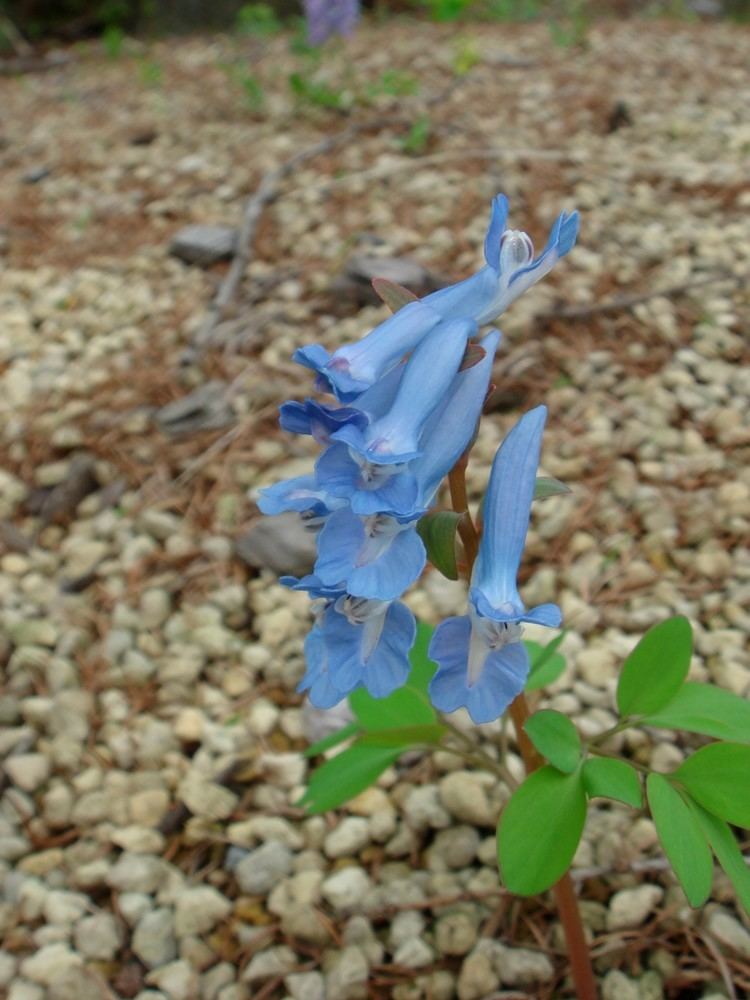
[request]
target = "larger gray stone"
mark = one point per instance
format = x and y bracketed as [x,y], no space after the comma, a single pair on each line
[280,543]
[204,245]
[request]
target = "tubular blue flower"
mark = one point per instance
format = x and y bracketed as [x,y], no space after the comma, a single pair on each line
[316,419]
[352,369]
[452,425]
[302,494]
[374,556]
[394,438]
[510,268]
[330,17]
[482,663]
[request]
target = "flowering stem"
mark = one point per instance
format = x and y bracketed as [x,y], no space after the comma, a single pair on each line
[460,504]
[565,895]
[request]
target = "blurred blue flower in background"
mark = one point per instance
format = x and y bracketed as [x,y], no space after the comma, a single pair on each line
[330,17]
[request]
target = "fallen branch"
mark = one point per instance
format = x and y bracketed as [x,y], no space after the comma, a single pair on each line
[623,302]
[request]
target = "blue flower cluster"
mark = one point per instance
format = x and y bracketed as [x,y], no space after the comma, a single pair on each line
[410,395]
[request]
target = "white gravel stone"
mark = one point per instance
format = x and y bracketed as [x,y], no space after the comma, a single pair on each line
[49,963]
[729,932]
[8,965]
[278,961]
[198,910]
[423,809]
[630,907]
[306,986]
[414,954]
[98,937]
[617,986]
[261,869]
[177,980]
[455,933]
[147,808]
[347,975]
[28,771]
[346,888]
[464,795]
[137,873]
[350,835]
[154,938]
[22,989]
[207,799]
[63,907]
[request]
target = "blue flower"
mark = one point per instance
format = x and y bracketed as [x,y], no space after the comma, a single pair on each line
[394,438]
[482,663]
[510,268]
[318,420]
[451,427]
[368,644]
[352,369]
[356,642]
[374,556]
[301,493]
[369,488]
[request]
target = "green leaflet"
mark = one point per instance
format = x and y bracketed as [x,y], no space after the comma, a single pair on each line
[656,669]
[718,777]
[556,738]
[438,532]
[612,779]
[727,852]
[703,708]
[346,775]
[546,663]
[540,829]
[546,486]
[682,838]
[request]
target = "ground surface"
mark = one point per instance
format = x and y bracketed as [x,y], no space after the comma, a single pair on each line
[143,658]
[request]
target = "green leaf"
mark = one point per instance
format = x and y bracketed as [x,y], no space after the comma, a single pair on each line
[438,532]
[718,777]
[612,779]
[407,706]
[540,829]
[556,738]
[394,295]
[332,740]
[656,669]
[406,736]
[727,851]
[705,709]
[682,839]
[346,775]
[546,663]
[546,486]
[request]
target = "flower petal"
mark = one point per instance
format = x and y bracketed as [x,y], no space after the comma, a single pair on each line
[355,659]
[317,681]
[498,219]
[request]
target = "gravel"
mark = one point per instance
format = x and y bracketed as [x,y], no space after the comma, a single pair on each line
[150,730]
